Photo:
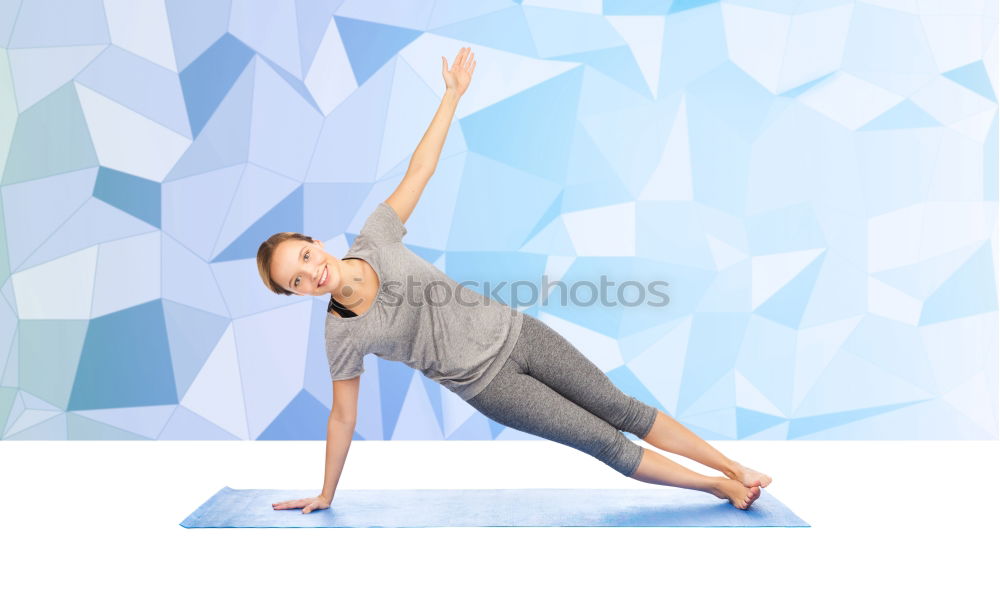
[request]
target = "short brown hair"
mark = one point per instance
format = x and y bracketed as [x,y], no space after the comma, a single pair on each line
[266,252]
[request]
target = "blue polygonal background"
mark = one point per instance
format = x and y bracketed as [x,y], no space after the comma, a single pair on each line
[816,180]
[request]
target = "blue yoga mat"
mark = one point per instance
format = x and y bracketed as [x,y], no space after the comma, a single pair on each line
[541,507]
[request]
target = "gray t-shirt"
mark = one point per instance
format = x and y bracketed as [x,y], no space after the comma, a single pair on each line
[421,317]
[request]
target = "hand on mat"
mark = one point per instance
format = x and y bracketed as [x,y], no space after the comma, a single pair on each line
[307,505]
[460,73]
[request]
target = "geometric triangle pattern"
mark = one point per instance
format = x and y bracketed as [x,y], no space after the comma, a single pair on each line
[770,220]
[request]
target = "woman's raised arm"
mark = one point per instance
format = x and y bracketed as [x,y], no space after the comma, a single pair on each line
[425,157]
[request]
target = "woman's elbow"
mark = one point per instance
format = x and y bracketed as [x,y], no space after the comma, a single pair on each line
[343,417]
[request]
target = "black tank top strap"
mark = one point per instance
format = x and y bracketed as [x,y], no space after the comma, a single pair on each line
[340,309]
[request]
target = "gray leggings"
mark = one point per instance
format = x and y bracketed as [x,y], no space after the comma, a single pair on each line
[548,388]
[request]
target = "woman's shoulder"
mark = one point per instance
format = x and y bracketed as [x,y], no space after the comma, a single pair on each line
[383,225]
[333,329]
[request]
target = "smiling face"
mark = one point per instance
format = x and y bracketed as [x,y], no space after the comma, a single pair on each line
[303,268]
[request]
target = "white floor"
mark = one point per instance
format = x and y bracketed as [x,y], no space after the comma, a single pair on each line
[885,515]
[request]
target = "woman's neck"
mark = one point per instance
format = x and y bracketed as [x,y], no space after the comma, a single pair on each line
[355,277]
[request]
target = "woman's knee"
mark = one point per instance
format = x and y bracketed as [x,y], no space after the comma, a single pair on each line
[620,453]
[647,417]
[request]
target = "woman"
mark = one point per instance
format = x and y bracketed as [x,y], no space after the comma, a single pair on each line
[511,367]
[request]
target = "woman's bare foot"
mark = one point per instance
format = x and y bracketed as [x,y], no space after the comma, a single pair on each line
[739,495]
[747,476]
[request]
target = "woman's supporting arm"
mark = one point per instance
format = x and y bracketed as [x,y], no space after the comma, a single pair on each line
[340,431]
[338,442]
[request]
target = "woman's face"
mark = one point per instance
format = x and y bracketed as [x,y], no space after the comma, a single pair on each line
[304,268]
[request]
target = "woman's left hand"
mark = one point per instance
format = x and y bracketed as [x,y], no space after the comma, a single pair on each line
[460,73]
